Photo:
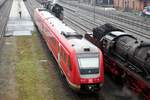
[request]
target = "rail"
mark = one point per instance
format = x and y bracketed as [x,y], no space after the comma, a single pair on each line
[135,25]
[2,32]
[3,2]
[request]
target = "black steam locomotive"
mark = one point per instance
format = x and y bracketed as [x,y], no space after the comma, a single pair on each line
[126,57]
[55,9]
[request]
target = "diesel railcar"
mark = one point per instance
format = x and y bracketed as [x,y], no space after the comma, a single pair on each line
[126,57]
[80,61]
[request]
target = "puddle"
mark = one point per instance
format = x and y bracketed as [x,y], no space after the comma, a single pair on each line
[43,61]
[20,33]
[8,43]
[19,25]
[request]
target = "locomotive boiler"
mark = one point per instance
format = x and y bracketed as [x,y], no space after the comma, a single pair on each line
[126,57]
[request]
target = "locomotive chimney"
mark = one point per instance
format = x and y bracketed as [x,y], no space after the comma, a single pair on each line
[148,54]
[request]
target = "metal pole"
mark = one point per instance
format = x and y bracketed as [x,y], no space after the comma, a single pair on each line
[94,3]
[78,6]
[108,2]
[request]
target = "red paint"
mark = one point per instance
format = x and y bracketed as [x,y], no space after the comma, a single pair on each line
[54,40]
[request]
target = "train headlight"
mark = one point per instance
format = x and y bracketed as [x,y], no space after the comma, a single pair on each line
[96,79]
[84,80]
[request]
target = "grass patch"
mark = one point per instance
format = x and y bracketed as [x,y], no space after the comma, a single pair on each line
[31,74]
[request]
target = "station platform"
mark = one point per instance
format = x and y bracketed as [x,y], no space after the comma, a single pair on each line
[20,22]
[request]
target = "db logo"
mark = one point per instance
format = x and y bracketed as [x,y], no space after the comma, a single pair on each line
[90,81]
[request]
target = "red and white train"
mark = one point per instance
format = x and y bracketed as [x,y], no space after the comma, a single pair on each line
[80,61]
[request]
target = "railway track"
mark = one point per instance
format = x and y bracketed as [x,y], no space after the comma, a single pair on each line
[76,24]
[99,20]
[121,16]
[5,8]
[124,19]
[31,5]
[79,18]
[137,27]
[139,30]
[2,2]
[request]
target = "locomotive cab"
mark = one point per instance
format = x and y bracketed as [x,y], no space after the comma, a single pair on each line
[108,41]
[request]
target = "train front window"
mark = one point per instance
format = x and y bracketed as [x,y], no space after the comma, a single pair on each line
[88,63]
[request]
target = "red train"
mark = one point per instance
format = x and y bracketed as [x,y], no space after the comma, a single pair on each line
[126,57]
[80,61]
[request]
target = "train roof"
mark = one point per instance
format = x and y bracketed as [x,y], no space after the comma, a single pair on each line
[46,14]
[61,27]
[82,45]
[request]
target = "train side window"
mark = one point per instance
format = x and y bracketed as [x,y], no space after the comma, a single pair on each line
[69,63]
[54,41]
[47,32]
[63,55]
[44,28]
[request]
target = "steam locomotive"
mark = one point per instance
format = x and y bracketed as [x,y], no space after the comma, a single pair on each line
[80,61]
[55,9]
[126,57]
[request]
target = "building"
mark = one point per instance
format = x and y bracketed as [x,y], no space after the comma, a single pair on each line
[137,5]
[104,2]
[97,2]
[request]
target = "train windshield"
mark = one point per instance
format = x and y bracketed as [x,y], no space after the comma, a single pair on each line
[92,62]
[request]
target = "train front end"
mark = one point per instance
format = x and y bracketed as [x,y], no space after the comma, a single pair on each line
[91,71]
[90,66]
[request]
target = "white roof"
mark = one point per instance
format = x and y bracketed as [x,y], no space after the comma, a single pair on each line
[118,33]
[46,14]
[61,27]
[80,44]
[55,1]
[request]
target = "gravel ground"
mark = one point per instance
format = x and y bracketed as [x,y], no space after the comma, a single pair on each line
[7,70]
